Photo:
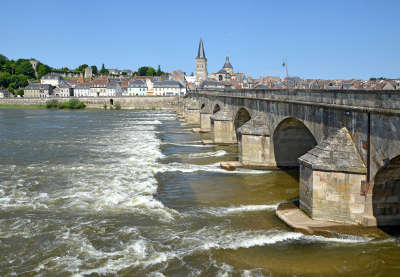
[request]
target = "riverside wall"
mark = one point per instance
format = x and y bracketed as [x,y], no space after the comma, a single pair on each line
[138,103]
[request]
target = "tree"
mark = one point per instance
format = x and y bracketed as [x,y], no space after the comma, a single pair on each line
[142,71]
[20,92]
[150,71]
[103,70]
[9,67]
[94,70]
[24,67]
[42,70]
[81,68]
[159,72]
[3,60]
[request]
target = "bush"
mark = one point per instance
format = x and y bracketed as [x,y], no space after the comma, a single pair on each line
[51,104]
[61,105]
[117,106]
[74,104]
[105,106]
[71,104]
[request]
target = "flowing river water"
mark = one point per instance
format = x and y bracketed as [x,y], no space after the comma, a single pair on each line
[135,193]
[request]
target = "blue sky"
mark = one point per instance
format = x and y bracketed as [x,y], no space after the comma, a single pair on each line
[319,39]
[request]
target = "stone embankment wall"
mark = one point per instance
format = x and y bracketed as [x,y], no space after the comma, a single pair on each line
[145,103]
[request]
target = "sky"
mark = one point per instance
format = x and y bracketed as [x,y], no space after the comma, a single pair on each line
[318,39]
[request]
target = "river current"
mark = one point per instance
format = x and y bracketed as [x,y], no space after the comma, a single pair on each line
[136,193]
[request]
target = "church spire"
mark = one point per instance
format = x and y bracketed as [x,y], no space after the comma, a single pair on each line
[200,52]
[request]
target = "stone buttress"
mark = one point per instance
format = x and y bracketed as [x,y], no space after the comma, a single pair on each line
[330,180]
[223,127]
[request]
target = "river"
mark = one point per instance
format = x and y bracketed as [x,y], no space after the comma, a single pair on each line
[135,193]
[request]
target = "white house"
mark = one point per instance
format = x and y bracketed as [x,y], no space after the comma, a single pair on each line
[168,88]
[113,90]
[82,91]
[136,88]
[4,93]
[64,90]
[98,90]
[52,79]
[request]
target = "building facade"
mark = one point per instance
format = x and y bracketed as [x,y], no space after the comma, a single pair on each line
[168,88]
[53,79]
[136,88]
[36,90]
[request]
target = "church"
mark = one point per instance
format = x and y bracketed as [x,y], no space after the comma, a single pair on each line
[225,75]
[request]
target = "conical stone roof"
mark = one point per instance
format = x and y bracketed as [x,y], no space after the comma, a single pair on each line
[200,52]
[336,153]
[227,63]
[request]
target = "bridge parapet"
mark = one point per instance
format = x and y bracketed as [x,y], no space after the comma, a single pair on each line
[354,98]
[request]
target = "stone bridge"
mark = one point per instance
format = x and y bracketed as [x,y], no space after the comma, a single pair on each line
[345,143]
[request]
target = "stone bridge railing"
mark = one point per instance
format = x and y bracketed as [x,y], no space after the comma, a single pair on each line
[346,99]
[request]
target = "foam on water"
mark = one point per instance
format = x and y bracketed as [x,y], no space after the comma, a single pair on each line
[121,177]
[215,167]
[223,211]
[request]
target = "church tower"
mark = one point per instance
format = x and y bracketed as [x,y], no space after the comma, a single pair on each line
[201,64]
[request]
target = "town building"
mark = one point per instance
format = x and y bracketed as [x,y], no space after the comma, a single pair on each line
[113,90]
[53,79]
[201,64]
[168,88]
[98,89]
[82,91]
[4,93]
[225,74]
[208,84]
[64,90]
[88,72]
[36,90]
[137,88]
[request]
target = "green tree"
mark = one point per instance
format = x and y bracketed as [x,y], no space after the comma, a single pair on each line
[142,71]
[42,70]
[150,71]
[24,67]
[94,70]
[5,79]
[9,67]
[20,92]
[103,70]
[159,72]
[3,60]
[81,68]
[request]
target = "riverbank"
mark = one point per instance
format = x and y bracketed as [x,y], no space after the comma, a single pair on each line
[22,106]
[127,103]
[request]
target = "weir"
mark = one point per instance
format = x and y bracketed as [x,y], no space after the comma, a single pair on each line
[346,144]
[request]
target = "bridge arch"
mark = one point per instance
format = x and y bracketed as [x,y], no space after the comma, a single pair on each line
[386,194]
[241,117]
[291,139]
[216,108]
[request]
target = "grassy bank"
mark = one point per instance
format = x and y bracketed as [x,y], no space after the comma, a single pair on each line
[20,106]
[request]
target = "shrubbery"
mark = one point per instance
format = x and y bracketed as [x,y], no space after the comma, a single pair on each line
[117,106]
[71,104]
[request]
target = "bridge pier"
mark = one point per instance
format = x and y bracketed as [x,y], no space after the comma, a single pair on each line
[331,176]
[223,128]
[192,114]
[205,122]
[255,144]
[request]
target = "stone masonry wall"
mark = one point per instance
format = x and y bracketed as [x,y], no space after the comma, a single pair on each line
[98,102]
